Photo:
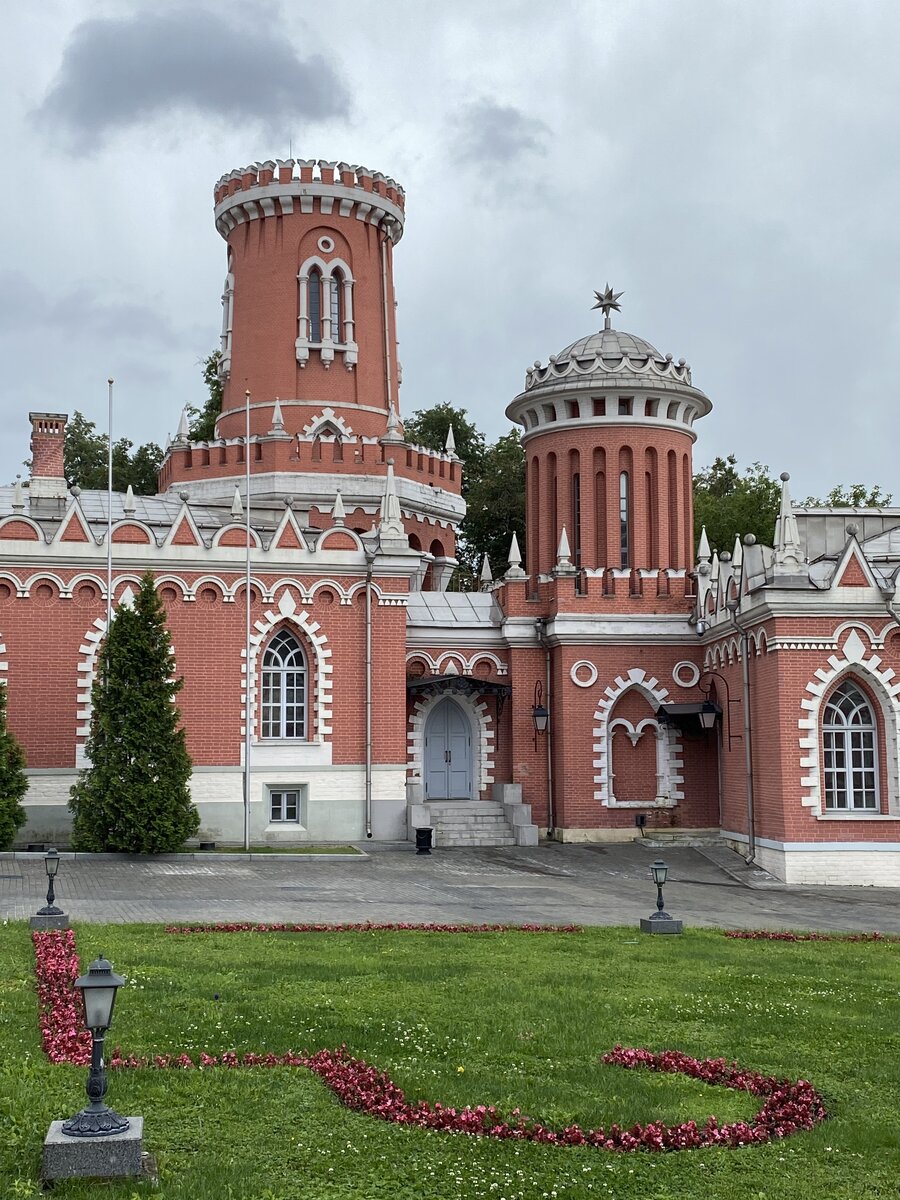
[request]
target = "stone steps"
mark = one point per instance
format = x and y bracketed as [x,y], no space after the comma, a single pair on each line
[469,823]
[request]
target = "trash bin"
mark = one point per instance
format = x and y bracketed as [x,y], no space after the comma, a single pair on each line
[423,840]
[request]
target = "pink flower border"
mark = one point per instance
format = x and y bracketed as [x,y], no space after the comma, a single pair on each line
[789,1107]
[785,935]
[368,927]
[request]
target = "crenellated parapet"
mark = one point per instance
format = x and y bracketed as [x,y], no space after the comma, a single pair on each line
[285,186]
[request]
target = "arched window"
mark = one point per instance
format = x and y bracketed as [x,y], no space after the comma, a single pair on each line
[848,732]
[284,688]
[337,307]
[624,530]
[315,305]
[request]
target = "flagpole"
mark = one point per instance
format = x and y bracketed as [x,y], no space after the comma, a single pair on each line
[248,684]
[109,473]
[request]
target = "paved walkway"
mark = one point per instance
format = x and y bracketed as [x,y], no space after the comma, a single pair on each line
[552,883]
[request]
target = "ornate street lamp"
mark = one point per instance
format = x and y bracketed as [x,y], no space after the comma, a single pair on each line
[98,989]
[708,714]
[51,866]
[660,921]
[539,714]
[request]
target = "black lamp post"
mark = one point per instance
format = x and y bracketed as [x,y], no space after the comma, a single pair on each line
[98,989]
[51,866]
[707,715]
[540,715]
[660,921]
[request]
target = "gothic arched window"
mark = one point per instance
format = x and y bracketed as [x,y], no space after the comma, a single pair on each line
[315,305]
[284,688]
[848,735]
[337,307]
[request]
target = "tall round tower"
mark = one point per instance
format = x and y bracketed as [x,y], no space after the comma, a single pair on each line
[308,305]
[608,436]
[309,333]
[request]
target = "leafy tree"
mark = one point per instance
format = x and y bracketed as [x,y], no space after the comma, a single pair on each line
[857,495]
[85,460]
[203,420]
[134,797]
[429,426]
[496,506]
[13,780]
[731,503]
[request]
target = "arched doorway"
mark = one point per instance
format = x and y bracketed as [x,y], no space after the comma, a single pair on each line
[448,753]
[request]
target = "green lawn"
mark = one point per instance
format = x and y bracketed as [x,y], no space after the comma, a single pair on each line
[511,1019]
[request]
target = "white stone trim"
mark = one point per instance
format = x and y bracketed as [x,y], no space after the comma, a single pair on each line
[885,688]
[583,664]
[688,669]
[482,736]
[315,642]
[669,763]
[438,664]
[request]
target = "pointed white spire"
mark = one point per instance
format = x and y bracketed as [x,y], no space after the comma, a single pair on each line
[393,432]
[337,513]
[277,418]
[391,525]
[237,508]
[714,565]
[515,560]
[788,550]
[450,444]
[184,428]
[737,554]
[563,552]
[18,499]
[703,553]
[487,575]
[128,504]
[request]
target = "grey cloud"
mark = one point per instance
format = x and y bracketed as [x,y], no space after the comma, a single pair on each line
[119,72]
[499,133]
[80,313]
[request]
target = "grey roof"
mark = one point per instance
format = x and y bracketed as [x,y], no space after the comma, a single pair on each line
[443,609]
[610,344]
[159,512]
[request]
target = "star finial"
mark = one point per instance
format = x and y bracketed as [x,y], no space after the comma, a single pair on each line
[608,301]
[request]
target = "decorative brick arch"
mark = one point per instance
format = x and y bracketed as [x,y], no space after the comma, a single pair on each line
[479,718]
[286,614]
[854,660]
[87,673]
[670,774]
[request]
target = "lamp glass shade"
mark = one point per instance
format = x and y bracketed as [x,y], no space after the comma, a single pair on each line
[541,718]
[707,714]
[51,862]
[98,989]
[659,871]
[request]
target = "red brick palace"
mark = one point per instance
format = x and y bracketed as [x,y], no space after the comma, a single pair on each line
[379,701]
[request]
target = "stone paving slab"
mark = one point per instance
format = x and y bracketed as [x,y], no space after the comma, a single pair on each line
[547,884]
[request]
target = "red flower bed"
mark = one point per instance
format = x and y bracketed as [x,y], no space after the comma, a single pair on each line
[789,1107]
[63,1036]
[783,935]
[368,927]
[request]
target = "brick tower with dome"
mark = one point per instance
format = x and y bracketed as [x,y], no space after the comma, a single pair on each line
[612,683]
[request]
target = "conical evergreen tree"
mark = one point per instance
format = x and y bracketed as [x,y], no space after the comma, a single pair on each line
[13,780]
[134,797]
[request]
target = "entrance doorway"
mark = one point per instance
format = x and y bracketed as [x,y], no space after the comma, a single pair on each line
[448,753]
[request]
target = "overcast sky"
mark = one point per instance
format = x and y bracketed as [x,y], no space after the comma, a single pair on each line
[731,166]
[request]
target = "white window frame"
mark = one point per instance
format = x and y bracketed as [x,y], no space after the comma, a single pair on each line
[855,746]
[277,714]
[297,805]
[333,273]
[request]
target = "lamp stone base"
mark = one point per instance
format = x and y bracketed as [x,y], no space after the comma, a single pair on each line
[665,925]
[44,922]
[96,1157]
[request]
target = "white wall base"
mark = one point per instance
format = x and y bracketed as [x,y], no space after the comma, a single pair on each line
[846,864]
[335,810]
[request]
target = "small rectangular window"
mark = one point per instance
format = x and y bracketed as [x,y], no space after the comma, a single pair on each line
[625,408]
[573,409]
[286,806]
[599,406]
